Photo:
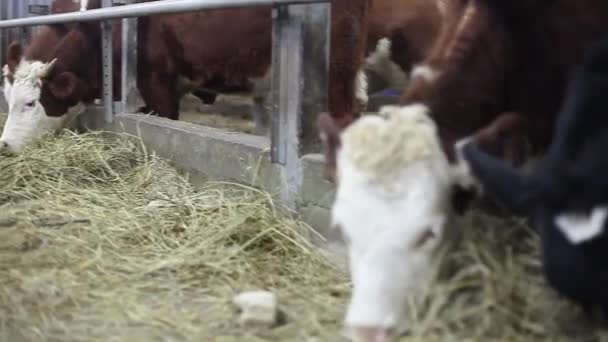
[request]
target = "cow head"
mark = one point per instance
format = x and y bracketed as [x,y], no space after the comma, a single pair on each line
[392,206]
[40,97]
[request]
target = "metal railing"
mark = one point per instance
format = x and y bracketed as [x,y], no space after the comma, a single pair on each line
[299,73]
[146,9]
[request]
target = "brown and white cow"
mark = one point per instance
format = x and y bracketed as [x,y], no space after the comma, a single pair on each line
[226,47]
[499,68]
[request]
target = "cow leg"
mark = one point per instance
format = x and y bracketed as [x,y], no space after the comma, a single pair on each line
[261,116]
[505,138]
[347,59]
[207,97]
[159,92]
[497,177]
[261,106]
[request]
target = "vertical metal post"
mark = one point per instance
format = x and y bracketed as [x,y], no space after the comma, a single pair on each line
[2,33]
[315,71]
[299,87]
[129,91]
[106,61]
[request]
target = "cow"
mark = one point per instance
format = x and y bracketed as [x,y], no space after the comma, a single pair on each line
[565,197]
[392,206]
[50,86]
[491,61]
[48,35]
[400,34]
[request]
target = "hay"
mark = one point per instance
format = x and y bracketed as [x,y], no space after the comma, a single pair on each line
[84,258]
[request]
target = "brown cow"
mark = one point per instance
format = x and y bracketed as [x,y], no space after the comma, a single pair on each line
[49,35]
[51,84]
[500,63]
[410,25]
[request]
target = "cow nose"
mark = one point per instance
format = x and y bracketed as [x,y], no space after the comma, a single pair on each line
[370,334]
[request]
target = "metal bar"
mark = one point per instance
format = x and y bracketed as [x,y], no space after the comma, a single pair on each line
[129,91]
[145,9]
[287,52]
[315,72]
[286,71]
[106,60]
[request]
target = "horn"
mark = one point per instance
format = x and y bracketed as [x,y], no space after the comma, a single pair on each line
[47,68]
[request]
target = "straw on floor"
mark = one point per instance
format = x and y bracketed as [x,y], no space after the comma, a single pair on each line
[101,241]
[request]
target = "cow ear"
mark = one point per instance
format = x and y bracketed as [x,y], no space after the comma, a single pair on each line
[13,56]
[63,85]
[330,141]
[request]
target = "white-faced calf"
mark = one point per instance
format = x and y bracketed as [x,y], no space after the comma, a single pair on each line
[393,208]
[566,195]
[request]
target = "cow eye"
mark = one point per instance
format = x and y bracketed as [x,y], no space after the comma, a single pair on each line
[30,104]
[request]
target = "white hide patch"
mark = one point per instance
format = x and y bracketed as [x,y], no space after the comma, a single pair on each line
[6,88]
[425,72]
[27,120]
[581,228]
[392,205]
[380,62]
[461,172]
[361,89]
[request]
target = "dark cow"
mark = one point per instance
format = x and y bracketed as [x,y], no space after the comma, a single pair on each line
[565,196]
[51,84]
[492,60]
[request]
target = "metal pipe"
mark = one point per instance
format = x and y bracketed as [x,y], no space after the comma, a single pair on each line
[106,61]
[129,64]
[146,9]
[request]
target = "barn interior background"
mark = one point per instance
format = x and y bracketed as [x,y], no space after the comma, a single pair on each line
[495,293]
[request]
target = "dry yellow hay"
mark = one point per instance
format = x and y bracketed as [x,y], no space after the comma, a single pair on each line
[82,259]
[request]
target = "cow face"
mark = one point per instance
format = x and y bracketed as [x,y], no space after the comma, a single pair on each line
[30,114]
[392,206]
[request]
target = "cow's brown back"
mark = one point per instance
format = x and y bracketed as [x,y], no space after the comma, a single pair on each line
[488,64]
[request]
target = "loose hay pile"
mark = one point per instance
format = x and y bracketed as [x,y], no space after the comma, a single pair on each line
[84,257]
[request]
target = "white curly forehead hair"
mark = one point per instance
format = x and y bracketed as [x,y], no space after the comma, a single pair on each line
[382,146]
[393,208]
